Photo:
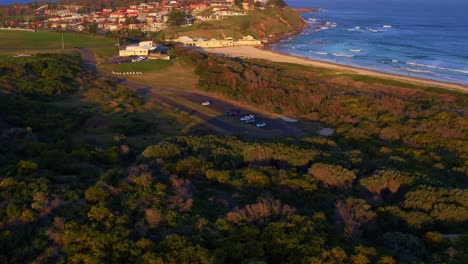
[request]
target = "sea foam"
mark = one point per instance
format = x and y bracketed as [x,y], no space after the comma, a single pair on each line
[436,67]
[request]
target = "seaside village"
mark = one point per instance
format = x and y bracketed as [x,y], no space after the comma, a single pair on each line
[146,17]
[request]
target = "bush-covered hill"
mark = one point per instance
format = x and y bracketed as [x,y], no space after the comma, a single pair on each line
[207,199]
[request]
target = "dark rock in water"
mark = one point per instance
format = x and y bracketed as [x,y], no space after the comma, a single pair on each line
[306,10]
[321,42]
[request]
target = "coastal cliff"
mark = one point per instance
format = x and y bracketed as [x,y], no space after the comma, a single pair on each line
[275,23]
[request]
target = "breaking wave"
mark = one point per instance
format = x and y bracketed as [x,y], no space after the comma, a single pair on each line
[436,67]
[319,52]
[342,55]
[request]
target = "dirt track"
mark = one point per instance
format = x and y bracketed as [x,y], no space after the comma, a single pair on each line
[276,127]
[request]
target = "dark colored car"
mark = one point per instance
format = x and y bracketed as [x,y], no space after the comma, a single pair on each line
[233,112]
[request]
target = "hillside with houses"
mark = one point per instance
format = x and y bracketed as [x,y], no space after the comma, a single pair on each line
[108,17]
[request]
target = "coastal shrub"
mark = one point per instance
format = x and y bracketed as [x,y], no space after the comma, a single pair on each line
[162,151]
[333,175]
[386,179]
[43,74]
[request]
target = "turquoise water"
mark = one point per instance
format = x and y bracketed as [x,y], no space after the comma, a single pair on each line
[419,38]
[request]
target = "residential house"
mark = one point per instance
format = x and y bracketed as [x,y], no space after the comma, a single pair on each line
[222,3]
[198,7]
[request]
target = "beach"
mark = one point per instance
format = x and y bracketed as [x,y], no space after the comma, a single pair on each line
[402,39]
[257,53]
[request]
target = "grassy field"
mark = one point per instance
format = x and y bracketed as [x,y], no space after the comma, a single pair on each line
[144,66]
[3,57]
[159,73]
[105,53]
[231,27]
[258,23]
[49,40]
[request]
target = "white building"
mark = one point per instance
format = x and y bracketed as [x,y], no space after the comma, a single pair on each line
[144,48]
[215,43]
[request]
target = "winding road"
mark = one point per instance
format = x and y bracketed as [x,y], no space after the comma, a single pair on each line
[276,126]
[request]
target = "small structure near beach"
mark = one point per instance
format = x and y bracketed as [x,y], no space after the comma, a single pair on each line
[216,43]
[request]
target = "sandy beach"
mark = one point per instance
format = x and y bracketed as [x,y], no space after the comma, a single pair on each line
[253,52]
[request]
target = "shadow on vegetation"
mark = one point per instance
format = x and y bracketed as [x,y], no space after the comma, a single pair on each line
[100,163]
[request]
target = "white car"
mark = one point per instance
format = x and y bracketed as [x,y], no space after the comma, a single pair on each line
[245,118]
[138,59]
[261,124]
[206,103]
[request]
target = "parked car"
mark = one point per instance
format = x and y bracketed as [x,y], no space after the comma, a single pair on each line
[233,112]
[120,61]
[248,117]
[261,124]
[205,103]
[250,121]
[137,59]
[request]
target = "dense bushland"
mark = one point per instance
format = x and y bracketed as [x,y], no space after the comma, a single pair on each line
[69,198]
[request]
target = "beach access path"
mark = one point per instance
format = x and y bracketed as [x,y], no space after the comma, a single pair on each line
[257,53]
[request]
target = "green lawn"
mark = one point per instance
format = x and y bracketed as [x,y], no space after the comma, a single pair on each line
[159,73]
[42,39]
[258,23]
[3,57]
[143,66]
[105,53]
[230,27]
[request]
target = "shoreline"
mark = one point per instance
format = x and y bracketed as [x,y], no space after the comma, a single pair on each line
[362,71]
[268,54]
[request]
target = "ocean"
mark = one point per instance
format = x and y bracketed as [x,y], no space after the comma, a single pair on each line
[418,38]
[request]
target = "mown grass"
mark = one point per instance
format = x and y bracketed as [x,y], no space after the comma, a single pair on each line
[7,54]
[219,29]
[159,73]
[49,40]
[258,23]
[4,57]
[105,53]
[143,66]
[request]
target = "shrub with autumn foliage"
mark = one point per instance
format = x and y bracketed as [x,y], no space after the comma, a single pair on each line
[333,175]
